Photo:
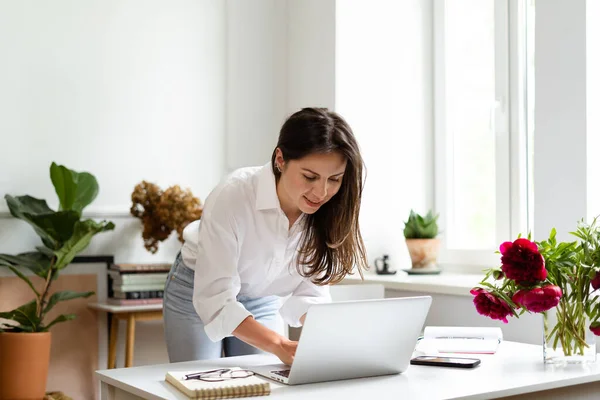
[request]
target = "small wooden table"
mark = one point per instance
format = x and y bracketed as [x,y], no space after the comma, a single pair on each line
[131,314]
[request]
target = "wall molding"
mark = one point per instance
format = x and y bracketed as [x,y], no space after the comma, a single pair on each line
[108,213]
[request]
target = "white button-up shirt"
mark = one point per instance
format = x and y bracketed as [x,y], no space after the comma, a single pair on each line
[243,245]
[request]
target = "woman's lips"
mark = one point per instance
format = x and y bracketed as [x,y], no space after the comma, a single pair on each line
[312,203]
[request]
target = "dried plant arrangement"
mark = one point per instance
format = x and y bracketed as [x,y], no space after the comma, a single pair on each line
[162,212]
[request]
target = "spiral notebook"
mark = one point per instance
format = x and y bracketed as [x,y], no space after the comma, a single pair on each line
[231,388]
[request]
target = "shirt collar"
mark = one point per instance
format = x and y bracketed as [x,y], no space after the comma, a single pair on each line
[266,191]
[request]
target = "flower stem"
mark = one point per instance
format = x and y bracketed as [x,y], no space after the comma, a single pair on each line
[570,328]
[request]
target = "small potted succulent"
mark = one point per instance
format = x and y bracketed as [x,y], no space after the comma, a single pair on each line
[421,239]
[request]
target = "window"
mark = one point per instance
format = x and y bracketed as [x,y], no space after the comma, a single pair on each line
[480,82]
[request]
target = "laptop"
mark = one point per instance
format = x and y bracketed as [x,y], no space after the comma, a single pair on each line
[354,339]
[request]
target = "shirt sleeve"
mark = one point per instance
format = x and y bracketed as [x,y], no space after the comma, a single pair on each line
[304,296]
[217,281]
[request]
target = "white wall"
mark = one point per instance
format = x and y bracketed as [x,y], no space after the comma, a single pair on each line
[384,89]
[256,79]
[100,85]
[127,90]
[560,139]
[280,58]
[311,50]
[593,105]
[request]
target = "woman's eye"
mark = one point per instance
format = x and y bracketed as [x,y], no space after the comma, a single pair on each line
[336,180]
[310,178]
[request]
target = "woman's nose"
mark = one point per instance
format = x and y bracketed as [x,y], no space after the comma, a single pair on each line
[320,190]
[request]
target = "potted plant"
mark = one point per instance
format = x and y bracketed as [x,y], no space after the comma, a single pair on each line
[421,239]
[25,338]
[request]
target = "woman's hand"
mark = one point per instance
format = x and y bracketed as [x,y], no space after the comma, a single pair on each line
[259,336]
[286,351]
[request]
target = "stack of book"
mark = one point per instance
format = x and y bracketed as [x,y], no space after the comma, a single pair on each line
[137,284]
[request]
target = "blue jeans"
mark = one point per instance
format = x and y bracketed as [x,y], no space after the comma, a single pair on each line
[184,330]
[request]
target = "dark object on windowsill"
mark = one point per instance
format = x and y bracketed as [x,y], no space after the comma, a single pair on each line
[382,267]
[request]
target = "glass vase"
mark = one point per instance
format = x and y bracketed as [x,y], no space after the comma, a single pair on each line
[567,336]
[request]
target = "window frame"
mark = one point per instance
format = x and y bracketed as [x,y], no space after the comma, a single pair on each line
[510,120]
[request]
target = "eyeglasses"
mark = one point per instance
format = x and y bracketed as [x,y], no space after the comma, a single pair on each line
[217,375]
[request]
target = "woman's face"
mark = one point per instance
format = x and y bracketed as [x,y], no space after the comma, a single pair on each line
[309,182]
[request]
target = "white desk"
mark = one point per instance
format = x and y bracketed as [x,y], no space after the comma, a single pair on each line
[515,370]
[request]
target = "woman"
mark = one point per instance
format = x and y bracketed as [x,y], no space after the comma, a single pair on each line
[288,228]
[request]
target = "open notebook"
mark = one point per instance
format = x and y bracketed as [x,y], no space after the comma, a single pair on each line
[230,388]
[460,339]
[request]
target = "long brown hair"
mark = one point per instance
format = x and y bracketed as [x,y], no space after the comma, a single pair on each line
[331,244]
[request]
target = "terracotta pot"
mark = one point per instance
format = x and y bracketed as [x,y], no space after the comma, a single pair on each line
[24,359]
[423,252]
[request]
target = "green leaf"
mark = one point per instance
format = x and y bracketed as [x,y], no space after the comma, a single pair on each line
[579,234]
[23,277]
[75,190]
[25,316]
[419,227]
[45,251]
[23,207]
[486,284]
[552,238]
[64,296]
[36,262]
[60,318]
[53,227]
[58,224]
[84,231]
[507,299]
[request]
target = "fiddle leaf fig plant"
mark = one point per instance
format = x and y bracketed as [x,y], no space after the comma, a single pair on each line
[64,234]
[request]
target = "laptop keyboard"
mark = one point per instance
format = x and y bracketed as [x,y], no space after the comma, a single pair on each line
[282,372]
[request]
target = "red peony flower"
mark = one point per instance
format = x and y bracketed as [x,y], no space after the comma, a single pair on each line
[596,281]
[517,298]
[538,299]
[595,328]
[491,306]
[522,262]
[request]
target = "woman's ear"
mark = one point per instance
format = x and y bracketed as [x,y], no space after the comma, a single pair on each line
[279,161]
